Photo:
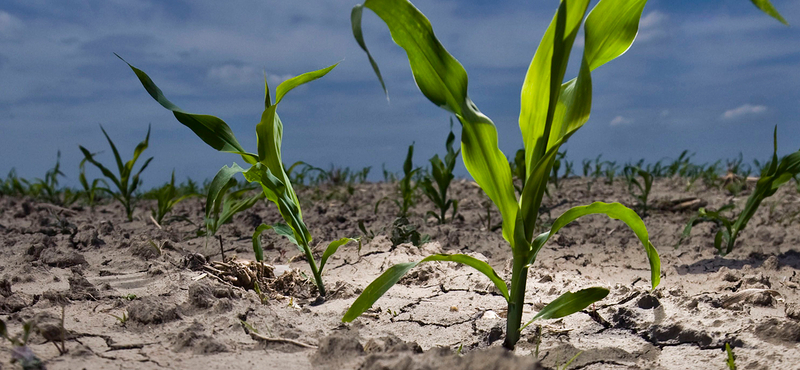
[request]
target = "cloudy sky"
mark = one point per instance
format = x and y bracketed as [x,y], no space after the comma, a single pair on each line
[713,77]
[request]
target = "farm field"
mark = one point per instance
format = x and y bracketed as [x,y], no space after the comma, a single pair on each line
[144,297]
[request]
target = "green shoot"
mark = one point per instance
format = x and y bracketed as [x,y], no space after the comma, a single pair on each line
[405,187]
[222,206]
[551,111]
[611,171]
[731,361]
[266,167]
[167,197]
[126,181]
[778,173]
[644,186]
[442,175]
[557,166]
[90,190]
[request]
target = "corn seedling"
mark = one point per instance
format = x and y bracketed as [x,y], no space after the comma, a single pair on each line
[90,189]
[611,171]
[167,197]
[644,186]
[123,318]
[442,175]
[518,170]
[405,187]
[221,206]
[21,354]
[778,173]
[550,113]
[126,181]
[731,360]
[266,166]
[557,166]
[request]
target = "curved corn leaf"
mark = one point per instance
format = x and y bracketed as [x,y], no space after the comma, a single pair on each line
[616,211]
[333,247]
[212,130]
[778,173]
[219,185]
[569,303]
[767,7]
[442,79]
[296,81]
[277,192]
[355,23]
[280,229]
[392,275]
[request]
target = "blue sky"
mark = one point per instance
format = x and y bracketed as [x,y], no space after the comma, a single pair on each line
[713,77]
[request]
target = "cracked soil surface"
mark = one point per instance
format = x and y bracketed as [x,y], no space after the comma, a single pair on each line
[130,304]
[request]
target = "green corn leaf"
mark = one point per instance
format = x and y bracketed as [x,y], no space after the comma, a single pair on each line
[219,185]
[569,303]
[89,157]
[277,192]
[332,248]
[616,211]
[280,229]
[392,275]
[610,30]
[767,7]
[231,208]
[355,22]
[442,79]
[117,157]
[542,86]
[296,81]
[212,130]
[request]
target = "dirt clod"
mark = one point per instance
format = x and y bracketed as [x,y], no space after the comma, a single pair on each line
[151,310]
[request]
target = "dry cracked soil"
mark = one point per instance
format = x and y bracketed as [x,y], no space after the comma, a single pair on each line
[136,296]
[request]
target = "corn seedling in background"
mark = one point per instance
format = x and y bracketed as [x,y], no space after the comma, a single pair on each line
[557,167]
[518,170]
[644,186]
[90,189]
[167,197]
[126,181]
[611,171]
[221,206]
[775,175]
[406,188]
[47,189]
[266,166]
[442,175]
[551,111]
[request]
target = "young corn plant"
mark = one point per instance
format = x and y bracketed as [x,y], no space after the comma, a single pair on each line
[406,187]
[442,175]
[776,174]
[266,166]
[557,167]
[551,111]
[644,187]
[126,181]
[167,197]
[90,189]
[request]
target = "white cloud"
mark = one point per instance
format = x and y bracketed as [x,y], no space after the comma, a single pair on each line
[743,110]
[8,23]
[620,120]
[232,74]
[652,26]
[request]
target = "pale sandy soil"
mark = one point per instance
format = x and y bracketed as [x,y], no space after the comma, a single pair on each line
[179,318]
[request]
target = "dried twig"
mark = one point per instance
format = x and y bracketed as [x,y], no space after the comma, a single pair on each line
[263,338]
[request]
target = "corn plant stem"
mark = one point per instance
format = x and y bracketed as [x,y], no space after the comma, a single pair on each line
[516,302]
[314,270]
